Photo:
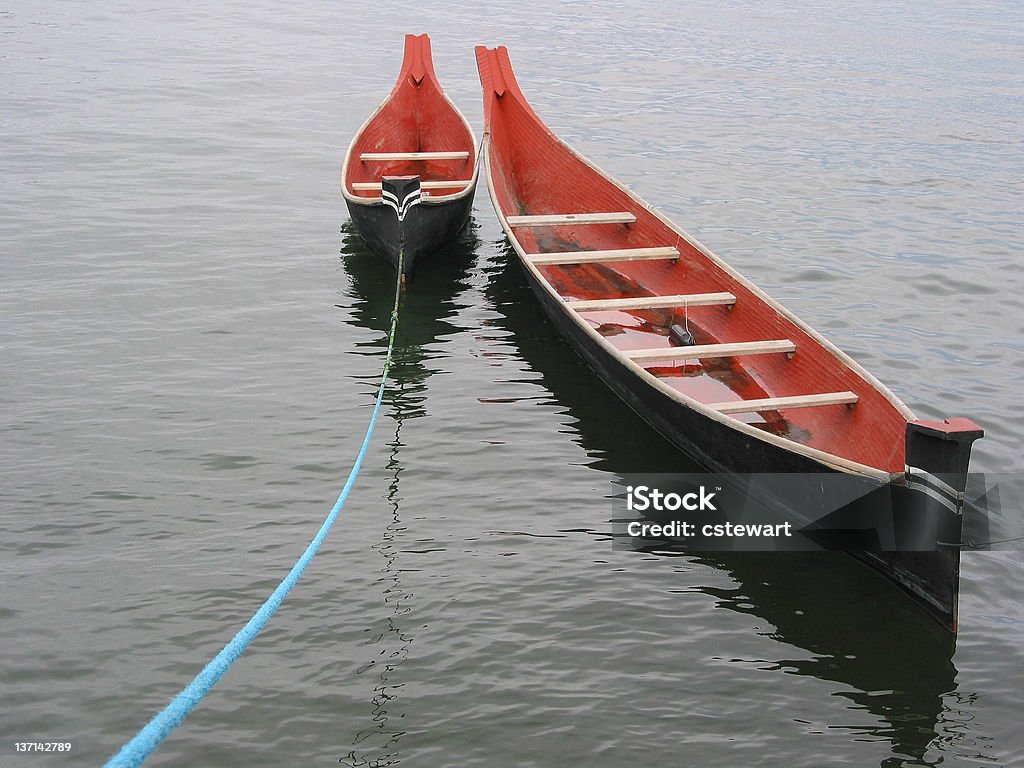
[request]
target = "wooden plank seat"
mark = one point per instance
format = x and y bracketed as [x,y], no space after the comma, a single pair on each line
[654,302]
[371,186]
[781,403]
[591,257]
[555,219]
[710,350]
[378,156]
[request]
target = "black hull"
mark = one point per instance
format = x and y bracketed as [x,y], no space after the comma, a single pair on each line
[911,518]
[426,227]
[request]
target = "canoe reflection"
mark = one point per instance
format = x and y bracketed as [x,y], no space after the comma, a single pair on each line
[428,303]
[886,656]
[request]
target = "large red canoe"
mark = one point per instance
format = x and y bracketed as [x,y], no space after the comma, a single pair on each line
[410,172]
[718,367]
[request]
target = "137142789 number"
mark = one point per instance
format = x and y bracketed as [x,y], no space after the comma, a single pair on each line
[42,746]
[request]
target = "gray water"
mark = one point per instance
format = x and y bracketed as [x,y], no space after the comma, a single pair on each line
[190,337]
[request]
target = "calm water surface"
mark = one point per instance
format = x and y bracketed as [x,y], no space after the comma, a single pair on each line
[190,336]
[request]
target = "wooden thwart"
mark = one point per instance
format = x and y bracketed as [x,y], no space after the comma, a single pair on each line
[654,302]
[553,219]
[371,186]
[590,257]
[780,403]
[368,156]
[710,350]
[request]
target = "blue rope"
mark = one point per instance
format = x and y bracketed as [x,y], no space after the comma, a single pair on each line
[147,740]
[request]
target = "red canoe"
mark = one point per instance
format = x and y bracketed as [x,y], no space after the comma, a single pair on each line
[714,364]
[410,172]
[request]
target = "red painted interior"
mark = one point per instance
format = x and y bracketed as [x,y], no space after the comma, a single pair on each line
[533,172]
[416,117]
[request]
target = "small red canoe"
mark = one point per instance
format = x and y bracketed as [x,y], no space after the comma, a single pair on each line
[723,371]
[410,172]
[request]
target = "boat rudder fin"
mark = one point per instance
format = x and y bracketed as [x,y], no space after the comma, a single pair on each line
[942,448]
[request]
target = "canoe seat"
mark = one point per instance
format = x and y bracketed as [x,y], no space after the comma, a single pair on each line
[654,302]
[375,156]
[711,350]
[591,257]
[780,403]
[555,219]
[373,186]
